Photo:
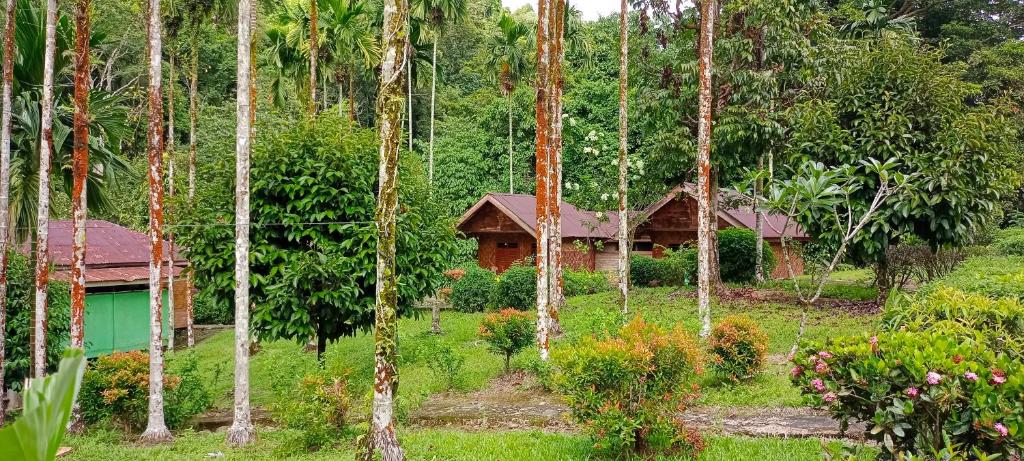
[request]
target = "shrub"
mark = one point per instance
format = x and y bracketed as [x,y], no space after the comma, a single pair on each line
[738,348]
[584,283]
[116,386]
[190,397]
[992,276]
[736,254]
[446,363]
[996,323]
[921,393]
[318,407]
[679,267]
[644,271]
[21,302]
[627,389]
[517,287]
[1010,242]
[474,291]
[507,332]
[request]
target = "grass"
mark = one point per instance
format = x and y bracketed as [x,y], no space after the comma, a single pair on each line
[279,365]
[433,444]
[853,285]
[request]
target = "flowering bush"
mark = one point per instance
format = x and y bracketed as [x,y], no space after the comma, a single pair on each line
[738,348]
[627,389]
[116,386]
[507,332]
[920,393]
[474,290]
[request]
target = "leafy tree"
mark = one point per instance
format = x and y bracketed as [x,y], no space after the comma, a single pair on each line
[313,198]
[890,99]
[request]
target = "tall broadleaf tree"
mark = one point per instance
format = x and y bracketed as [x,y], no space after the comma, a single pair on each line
[242,432]
[438,15]
[156,429]
[509,59]
[5,179]
[42,269]
[704,226]
[394,41]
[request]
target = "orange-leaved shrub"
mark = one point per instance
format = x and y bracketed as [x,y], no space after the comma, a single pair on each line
[116,386]
[627,389]
[738,348]
[507,332]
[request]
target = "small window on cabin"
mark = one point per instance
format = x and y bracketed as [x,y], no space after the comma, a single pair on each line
[508,244]
[675,246]
[643,246]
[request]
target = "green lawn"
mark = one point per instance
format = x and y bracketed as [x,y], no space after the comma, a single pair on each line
[280,364]
[432,445]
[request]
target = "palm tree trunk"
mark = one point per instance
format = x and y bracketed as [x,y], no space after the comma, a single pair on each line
[433,98]
[511,185]
[42,259]
[170,196]
[623,267]
[382,437]
[193,115]
[408,67]
[339,79]
[79,172]
[759,275]
[189,306]
[704,228]
[543,176]
[242,432]
[352,96]
[5,183]
[555,185]
[313,54]
[156,430]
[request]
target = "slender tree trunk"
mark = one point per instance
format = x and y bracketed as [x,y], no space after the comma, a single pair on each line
[352,96]
[543,174]
[409,57]
[189,306]
[170,195]
[433,100]
[42,259]
[314,49]
[759,275]
[79,172]
[382,438]
[193,115]
[511,185]
[339,79]
[242,432]
[623,156]
[156,430]
[704,227]
[717,286]
[555,78]
[5,185]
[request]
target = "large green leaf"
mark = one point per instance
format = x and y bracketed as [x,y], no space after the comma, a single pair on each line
[37,434]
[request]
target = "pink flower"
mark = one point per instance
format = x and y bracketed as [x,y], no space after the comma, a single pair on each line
[825,354]
[1001,429]
[796,371]
[874,343]
[818,384]
[933,378]
[830,397]
[998,377]
[821,367]
[913,392]
[971,376]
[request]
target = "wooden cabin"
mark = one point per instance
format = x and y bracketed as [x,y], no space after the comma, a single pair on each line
[504,226]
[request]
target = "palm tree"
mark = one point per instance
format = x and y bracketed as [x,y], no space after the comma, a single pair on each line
[42,270]
[5,179]
[623,156]
[704,229]
[314,46]
[508,55]
[382,435]
[156,430]
[349,41]
[438,14]
[242,432]
[80,171]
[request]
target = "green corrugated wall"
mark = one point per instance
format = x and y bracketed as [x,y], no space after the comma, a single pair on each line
[117,322]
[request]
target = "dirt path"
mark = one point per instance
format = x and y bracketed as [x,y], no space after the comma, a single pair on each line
[516,402]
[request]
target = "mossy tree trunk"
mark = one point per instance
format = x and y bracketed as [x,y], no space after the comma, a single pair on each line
[705,228]
[42,246]
[5,182]
[623,267]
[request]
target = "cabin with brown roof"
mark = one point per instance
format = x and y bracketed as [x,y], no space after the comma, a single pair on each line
[504,226]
